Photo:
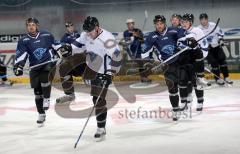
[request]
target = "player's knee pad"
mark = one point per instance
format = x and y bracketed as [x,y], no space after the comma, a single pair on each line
[173,90]
[38,91]
[183,77]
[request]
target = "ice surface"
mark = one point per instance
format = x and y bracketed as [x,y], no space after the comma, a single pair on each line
[216,130]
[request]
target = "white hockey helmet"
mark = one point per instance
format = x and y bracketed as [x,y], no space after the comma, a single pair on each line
[129,21]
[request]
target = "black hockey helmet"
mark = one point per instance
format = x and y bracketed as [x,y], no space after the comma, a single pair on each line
[68,24]
[159,18]
[32,20]
[188,17]
[175,15]
[203,16]
[90,23]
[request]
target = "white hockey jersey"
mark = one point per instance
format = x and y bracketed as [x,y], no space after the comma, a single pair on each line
[103,53]
[197,34]
[213,39]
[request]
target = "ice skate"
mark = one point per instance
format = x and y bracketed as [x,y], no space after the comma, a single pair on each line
[65,98]
[41,119]
[202,83]
[199,107]
[100,134]
[228,81]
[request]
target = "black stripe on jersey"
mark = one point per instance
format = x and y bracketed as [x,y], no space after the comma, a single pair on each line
[105,63]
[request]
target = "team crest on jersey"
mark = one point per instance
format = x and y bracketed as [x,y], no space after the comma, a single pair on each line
[39,52]
[168,49]
[210,38]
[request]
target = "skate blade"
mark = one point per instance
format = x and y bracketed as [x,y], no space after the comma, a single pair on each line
[39,125]
[228,85]
[100,139]
[45,108]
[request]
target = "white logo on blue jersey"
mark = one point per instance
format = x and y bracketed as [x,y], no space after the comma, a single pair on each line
[168,49]
[39,52]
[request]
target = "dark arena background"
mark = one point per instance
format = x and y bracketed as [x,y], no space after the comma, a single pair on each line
[140,115]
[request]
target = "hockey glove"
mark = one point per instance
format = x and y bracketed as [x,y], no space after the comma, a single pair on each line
[221,42]
[18,70]
[192,43]
[66,50]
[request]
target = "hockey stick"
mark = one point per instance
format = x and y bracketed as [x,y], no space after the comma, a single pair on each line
[104,84]
[44,63]
[186,48]
[50,61]
[208,70]
[145,20]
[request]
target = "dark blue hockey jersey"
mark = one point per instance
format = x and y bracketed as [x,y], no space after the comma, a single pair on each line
[38,49]
[135,48]
[127,35]
[70,38]
[165,43]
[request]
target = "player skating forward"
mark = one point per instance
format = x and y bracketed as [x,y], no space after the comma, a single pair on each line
[216,56]
[193,63]
[70,65]
[37,47]
[165,39]
[104,60]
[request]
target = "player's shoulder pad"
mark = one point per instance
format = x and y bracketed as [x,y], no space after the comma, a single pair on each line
[152,35]
[24,38]
[212,23]
[45,33]
[197,29]
[106,35]
[172,30]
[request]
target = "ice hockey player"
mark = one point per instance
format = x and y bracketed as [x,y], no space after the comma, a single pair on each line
[3,75]
[71,33]
[128,34]
[104,60]
[134,38]
[36,46]
[193,64]
[70,66]
[216,56]
[165,39]
[176,20]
